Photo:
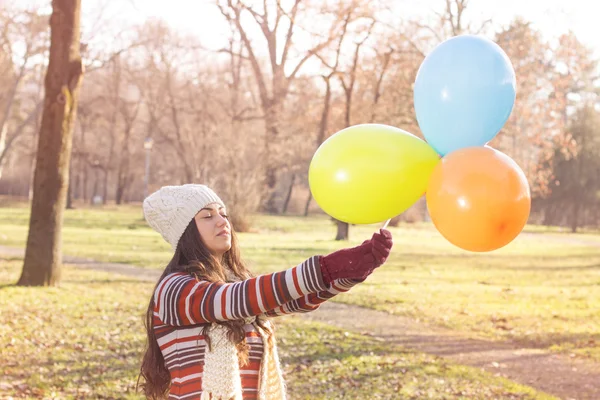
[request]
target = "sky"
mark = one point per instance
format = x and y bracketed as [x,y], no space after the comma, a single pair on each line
[202,19]
[551,16]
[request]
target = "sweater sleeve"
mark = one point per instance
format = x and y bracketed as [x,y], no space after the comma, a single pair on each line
[180,299]
[313,301]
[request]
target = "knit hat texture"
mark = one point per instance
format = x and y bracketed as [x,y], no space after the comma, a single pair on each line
[170,209]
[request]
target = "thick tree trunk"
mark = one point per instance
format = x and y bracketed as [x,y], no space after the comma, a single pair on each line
[43,255]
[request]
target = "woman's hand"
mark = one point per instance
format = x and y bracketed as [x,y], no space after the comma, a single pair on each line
[357,262]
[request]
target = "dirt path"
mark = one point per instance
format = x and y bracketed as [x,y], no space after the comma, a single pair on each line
[558,375]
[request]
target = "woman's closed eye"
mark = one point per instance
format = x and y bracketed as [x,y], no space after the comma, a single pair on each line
[222,215]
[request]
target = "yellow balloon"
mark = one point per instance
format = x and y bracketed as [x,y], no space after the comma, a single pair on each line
[370,172]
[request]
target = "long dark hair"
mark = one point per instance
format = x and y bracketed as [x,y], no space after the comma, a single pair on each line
[193,257]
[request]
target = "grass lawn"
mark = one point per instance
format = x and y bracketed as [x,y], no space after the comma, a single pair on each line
[542,290]
[84,340]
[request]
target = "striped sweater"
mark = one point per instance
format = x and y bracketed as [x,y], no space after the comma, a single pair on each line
[183,305]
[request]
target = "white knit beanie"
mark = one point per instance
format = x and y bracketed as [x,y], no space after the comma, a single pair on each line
[170,209]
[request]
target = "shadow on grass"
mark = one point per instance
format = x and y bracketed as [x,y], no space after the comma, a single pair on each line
[8,286]
[108,376]
[566,231]
[575,340]
[570,268]
[302,250]
[9,258]
[100,281]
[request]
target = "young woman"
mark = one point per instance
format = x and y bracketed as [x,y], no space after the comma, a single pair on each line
[208,332]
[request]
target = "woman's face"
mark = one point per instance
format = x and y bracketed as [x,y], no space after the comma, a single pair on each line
[214,228]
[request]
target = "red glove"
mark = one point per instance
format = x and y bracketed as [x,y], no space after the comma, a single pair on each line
[357,262]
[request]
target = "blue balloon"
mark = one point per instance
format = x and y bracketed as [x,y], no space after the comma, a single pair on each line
[464,92]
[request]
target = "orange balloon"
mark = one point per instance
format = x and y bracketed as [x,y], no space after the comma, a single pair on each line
[478,198]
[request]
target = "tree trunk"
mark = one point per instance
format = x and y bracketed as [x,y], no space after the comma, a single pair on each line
[84,182]
[3,135]
[43,255]
[74,180]
[289,194]
[119,192]
[575,216]
[96,184]
[125,179]
[122,175]
[342,230]
[70,190]
[83,161]
[105,185]
[549,213]
[271,150]
[307,205]
[31,176]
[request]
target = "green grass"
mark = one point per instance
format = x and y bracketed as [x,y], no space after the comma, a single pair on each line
[75,341]
[542,290]
[328,363]
[84,340]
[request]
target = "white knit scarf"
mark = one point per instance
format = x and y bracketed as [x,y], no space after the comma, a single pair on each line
[221,378]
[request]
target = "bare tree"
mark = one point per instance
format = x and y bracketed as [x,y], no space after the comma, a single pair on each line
[23,37]
[43,255]
[17,132]
[449,22]
[276,23]
[348,82]
[129,112]
[323,126]
[386,57]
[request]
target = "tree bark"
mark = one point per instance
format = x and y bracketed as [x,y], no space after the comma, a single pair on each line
[43,255]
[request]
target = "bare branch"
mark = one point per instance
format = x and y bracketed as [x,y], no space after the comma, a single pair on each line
[262,86]
[20,129]
[308,55]
[290,31]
